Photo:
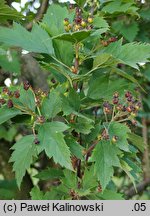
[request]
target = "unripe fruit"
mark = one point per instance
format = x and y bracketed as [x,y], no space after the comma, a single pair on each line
[90,20]
[83,24]
[99,137]
[114,139]
[67,29]
[76,27]
[133,114]
[66,22]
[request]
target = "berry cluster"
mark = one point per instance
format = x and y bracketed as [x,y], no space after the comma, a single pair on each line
[7,95]
[120,110]
[79,22]
[129,106]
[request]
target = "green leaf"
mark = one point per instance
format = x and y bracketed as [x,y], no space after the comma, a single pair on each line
[26,99]
[98,86]
[101,59]
[71,102]
[89,180]
[121,131]
[6,113]
[130,54]
[50,173]
[128,31]
[36,194]
[53,24]
[127,169]
[110,195]
[22,156]
[102,87]
[80,2]
[75,148]
[82,125]
[100,22]
[120,6]
[37,40]
[74,37]
[51,106]
[137,141]
[52,141]
[105,157]
[7,13]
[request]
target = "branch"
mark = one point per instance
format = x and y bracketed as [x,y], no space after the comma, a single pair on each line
[39,15]
[140,188]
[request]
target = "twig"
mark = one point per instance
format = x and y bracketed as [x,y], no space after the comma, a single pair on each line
[39,15]
[140,188]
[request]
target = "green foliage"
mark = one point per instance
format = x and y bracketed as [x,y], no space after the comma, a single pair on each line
[52,141]
[19,36]
[105,156]
[36,194]
[121,6]
[130,53]
[7,13]
[22,156]
[6,114]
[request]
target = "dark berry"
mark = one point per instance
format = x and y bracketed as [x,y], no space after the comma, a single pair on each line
[112,39]
[123,108]
[128,94]
[5,90]
[10,94]
[2,101]
[78,20]
[115,101]
[16,94]
[10,103]
[26,85]
[129,99]
[36,141]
